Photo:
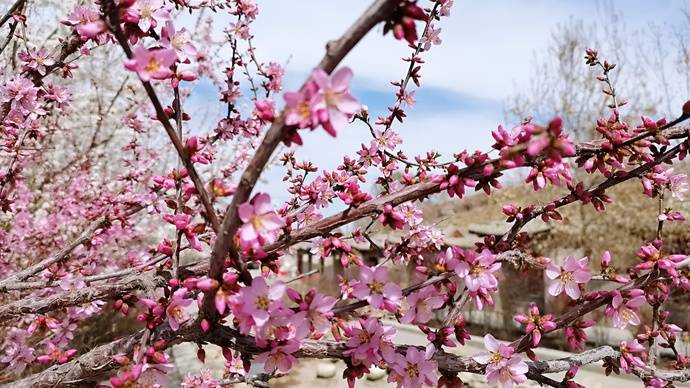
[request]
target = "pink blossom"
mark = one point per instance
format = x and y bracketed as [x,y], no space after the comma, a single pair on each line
[432,36]
[371,342]
[502,366]
[180,220]
[265,109]
[568,278]
[411,214]
[283,325]
[375,289]
[387,139]
[56,355]
[353,194]
[652,257]
[423,237]
[37,60]
[275,73]
[623,312]
[239,29]
[334,102]
[248,8]
[155,368]
[204,379]
[415,369]
[422,303]
[655,382]
[391,217]
[632,355]
[482,297]
[318,192]
[152,63]
[575,334]
[257,301]
[127,377]
[536,324]
[148,13]
[453,183]
[512,372]
[478,270]
[317,309]
[42,322]
[496,351]
[21,94]
[402,22]
[16,352]
[60,95]
[550,171]
[234,363]
[175,311]
[261,223]
[182,223]
[369,155]
[280,358]
[407,98]
[87,22]
[180,41]
[677,184]
[445,8]
[298,106]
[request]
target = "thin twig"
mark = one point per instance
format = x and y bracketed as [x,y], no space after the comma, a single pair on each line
[110,10]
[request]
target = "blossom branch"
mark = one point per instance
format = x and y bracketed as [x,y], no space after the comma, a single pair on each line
[335,52]
[410,193]
[110,11]
[76,297]
[85,237]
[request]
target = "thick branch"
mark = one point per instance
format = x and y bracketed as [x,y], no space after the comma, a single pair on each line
[107,291]
[87,368]
[335,52]
[98,361]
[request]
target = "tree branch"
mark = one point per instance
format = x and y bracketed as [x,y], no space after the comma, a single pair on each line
[14,8]
[79,296]
[62,254]
[335,52]
[110,11]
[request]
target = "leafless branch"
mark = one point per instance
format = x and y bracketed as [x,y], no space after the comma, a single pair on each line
[14,8]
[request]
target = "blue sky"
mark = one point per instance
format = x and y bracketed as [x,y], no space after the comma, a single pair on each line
[487,54]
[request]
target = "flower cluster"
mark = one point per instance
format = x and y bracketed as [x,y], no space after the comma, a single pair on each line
[502,366]
[261,223]
[374,287]
[478,270]
[569,277]
[324,100]
[536,323]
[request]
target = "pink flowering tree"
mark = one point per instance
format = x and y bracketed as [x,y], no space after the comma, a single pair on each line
[105,186]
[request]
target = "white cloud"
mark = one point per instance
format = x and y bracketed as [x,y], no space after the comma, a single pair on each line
[487,51]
